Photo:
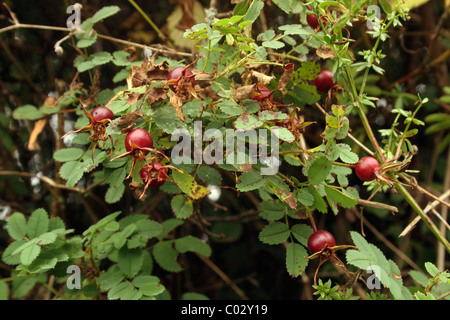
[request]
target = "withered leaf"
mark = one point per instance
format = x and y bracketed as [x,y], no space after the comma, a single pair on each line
[129,118]
[177,104]
[133,97]
[286,76]
[155,95]
[242,92]
[325,52]
[158,72]
[138,76]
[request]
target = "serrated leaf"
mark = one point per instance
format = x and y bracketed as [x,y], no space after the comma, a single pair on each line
[68,154]
[17,226]
[30,253]
[124,291]
[182,206]
[247,122]
[250,180]
[431,269]
[130,261]
[9,256]
[209,175]
[339,197]
[296,259]
[110,278]
[319,170]
[273,44]
[46,238]
[149,228]
[148,285]
[37,223]
[274,233]
[301,232]
[304,197]
[104,13]
[272,210]
[192,244]
[27,112]
[253,11]
[114,193]
[283,134]
[319,202]
[72,172]
[166,256]
[168,225]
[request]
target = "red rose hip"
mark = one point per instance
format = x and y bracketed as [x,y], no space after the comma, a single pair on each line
[102,113]
[320,240]
[324,81]
[138,139]
[153,174]
[367,168]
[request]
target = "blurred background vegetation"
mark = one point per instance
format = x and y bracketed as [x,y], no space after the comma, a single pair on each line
[417,62]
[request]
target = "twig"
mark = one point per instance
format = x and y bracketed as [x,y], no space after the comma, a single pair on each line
[223,276]
[49,181]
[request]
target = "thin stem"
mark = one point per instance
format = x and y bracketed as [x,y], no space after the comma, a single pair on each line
[150,22]
[412,202]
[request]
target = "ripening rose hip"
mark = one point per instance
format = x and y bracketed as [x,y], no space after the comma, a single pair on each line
[153,175]
[140,138]
[175,75]
[324,81]
[102,113]
[366,168]
[320,240]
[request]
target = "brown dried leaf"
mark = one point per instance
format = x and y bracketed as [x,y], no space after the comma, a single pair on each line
[133,97]
[158,72]
[288,198]
[325,52]
[246,167]
[155,95]
[242,93]
[138,76]
[177,104]
[203,79]
[129,118]
[287,76]
[128,129]
[261,77]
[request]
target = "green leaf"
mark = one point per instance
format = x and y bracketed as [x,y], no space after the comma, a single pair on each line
[283,134]
[166,256]
[209,175]
[17,226]
[72,172]
[247,122]
[339,197]
[110,278]
[87,39]
[272,210]
[319,170]
[46,238]
[253,11]
[149,228]
[104,13]
[274,233]
[148,285]
[68,154]
[114,193]
[301,233]
[102,222]
[250,180]
[294,29]
[37,223]
[274,44]
[192,244]
[369,257]
[230,107]
[431,269]
[4,290]
[120,58]
[27,112]
[296,259]
[124,291]
[319,202]
[30,253]
[182,206]
[10,256]
[130,261]
[22,285]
